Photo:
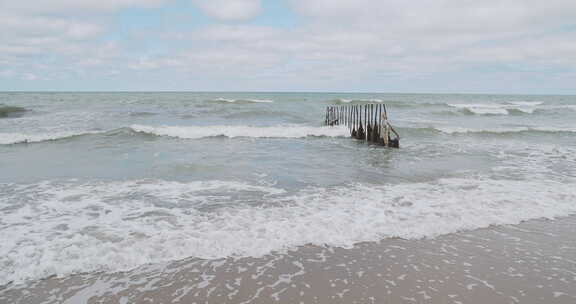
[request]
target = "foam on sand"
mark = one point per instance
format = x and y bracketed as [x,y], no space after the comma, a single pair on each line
[66,227]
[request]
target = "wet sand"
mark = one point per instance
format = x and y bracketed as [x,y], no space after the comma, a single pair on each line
[534,262]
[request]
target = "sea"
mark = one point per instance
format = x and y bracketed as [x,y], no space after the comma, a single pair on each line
[96,183]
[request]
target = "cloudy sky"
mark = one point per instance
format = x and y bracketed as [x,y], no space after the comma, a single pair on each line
[488,46]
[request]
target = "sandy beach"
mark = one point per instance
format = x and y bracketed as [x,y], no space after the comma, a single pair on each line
[532,262]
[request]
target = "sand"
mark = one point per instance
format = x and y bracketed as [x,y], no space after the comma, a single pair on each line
[533,262]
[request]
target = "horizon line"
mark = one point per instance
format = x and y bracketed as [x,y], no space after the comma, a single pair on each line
[292,92]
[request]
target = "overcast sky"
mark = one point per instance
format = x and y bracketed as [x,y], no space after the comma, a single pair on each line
[488,46]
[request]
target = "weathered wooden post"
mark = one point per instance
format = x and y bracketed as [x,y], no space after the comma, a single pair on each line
[375,132]
[359,123]
[371,113]
[349,119]
[365,123]
[335,115]
[369,133]
[353,124]
[377,122]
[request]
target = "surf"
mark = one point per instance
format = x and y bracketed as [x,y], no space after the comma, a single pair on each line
[11,111]
[120,225]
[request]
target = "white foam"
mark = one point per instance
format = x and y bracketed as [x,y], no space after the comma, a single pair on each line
[555,107]
[283,131]
[245,100]
[456,130]
[225,99]
[15,138]
[261,100]
[360,100]
[191,132]
[526,110]
[494,109]
[527,103]
[527,107]
[50,228]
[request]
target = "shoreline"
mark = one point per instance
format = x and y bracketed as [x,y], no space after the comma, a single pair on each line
[532,262]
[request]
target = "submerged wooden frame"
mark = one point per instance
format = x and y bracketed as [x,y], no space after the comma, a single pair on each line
[372,126]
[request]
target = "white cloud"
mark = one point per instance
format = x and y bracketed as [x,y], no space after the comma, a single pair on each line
[41,36]
[7,73]
[230,10]
[38,26]
[339,41]
[76,6]
[83,30]
[29,76]
[342,53]
[441,13]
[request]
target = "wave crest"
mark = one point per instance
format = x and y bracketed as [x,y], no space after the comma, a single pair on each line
[188,132]
[496,109]
[248,100]
[509,108]
[461,130]
[361,100]
[11,111]
[196,132]
[19,138]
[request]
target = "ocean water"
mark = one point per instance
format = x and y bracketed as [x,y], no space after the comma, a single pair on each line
[103,182]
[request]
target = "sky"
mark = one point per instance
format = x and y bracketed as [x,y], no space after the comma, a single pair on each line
[434,46]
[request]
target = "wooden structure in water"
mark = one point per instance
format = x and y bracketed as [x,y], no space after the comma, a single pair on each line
[366,122]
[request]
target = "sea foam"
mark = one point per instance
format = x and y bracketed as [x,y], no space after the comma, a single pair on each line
[67,227]
[248,100]
[344,100]
[16,138]
[527,107]
[190,132]
[503,130]
[284,131]
[11,111]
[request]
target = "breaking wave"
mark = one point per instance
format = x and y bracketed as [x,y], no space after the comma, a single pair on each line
[460,130]
[11,111]
[497,109]
[19,138]
[248,100]
[188,132]
[288,131]
[364,100]
[113,226]
[242,131]
[508,108]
